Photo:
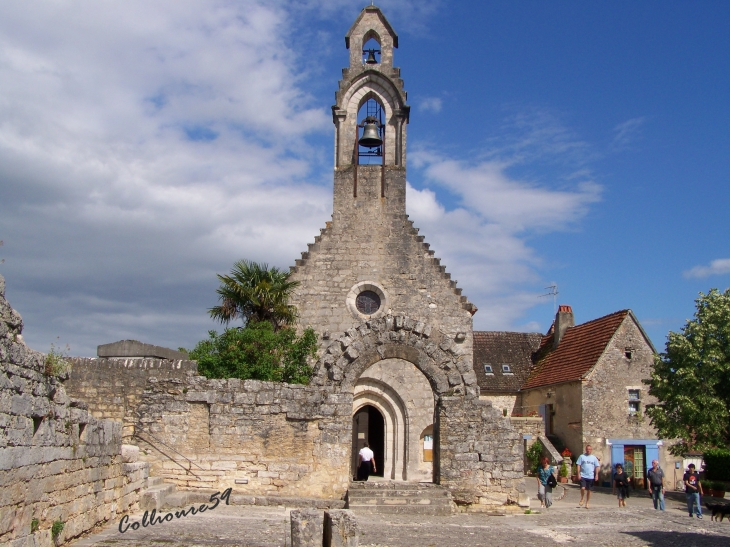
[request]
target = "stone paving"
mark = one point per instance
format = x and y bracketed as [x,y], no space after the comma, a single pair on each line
[603,524]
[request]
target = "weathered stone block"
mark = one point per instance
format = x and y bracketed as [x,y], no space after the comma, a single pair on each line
[307,528]
[340,529]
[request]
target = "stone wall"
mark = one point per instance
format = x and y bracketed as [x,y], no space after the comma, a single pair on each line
[57,462]
[261,438]
[113,387]
[480,455]
[500,401]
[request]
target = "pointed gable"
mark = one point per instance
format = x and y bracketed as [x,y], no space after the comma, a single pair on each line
[577,353]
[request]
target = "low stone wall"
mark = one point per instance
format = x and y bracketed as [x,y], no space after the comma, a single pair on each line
[268,438]
[112,387]
[57,462]
[532,426]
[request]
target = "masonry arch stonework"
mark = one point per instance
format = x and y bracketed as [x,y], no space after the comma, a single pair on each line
[443,359]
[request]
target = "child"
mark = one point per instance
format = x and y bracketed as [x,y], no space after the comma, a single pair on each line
[621,484]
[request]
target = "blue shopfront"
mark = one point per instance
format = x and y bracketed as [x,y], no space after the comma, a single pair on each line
[635,455]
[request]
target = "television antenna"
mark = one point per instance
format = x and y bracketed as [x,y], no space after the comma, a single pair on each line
[554,293]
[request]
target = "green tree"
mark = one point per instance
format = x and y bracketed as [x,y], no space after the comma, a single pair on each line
[692,379]
[255,292]
[257,352]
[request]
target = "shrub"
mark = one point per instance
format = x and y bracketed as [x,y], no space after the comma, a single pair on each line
[257,352]
[34,524]
[57,529]
[717,464]
[56,363]
[564,469]
[533,454]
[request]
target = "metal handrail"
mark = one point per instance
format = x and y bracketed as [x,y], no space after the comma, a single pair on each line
[136,434]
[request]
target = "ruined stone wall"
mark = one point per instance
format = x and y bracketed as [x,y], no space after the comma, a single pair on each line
[113,387]
[57,462]
[260,438]
[480,454]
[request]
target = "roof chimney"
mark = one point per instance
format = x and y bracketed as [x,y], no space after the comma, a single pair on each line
[563,320]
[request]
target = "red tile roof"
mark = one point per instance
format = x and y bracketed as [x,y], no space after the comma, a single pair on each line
[577,353]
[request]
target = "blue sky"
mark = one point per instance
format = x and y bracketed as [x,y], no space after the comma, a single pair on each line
[145,147]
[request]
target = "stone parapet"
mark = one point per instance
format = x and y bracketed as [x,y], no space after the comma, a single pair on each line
[112,387]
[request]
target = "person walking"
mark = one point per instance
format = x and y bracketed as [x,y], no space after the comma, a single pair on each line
[656,483]
[589,466]
[693,490]
[366,463]
[621,485]
[544,488]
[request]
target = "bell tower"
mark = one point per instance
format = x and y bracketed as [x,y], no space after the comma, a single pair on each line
[370,262]
[370,117]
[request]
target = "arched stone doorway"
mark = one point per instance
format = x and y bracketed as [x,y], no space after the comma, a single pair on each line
[368,426]
[401,394]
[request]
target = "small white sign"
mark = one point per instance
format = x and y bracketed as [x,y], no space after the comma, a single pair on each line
[427,442]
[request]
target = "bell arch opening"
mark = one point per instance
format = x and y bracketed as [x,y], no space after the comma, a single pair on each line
[371,122]
[371,48]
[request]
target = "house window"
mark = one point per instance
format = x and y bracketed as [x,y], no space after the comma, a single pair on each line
[488,369]
[629,353]
[634,401]
[506,369]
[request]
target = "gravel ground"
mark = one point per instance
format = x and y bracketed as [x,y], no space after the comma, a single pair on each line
[603,524]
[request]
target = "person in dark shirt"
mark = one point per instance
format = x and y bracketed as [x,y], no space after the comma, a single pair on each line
[656,483]
[621,485]
[693,490]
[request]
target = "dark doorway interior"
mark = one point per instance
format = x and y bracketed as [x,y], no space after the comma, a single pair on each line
[368,426]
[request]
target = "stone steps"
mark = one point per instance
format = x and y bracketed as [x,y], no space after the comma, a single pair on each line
[399,498]
[156,495]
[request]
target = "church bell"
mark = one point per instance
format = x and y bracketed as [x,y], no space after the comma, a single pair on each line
[371,60]
[370,134]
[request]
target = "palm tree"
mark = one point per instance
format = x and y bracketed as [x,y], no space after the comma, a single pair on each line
[255,292]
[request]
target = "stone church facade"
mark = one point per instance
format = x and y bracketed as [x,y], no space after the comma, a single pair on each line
[396,331]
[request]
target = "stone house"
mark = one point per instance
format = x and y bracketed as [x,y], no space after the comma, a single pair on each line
[587,382]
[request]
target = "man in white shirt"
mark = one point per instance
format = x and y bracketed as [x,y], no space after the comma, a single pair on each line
[366,463]
[589,466]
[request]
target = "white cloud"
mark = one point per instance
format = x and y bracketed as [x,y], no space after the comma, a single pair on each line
[721,266]
[484,236]
[143,148]
[628,131]
[430,104]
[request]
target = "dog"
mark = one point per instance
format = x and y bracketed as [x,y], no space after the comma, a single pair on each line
[719,510]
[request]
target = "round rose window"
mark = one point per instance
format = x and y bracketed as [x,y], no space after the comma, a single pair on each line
[367,302]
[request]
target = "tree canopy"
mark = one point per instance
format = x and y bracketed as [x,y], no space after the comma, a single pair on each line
[691,379]
[255,292]
[257,352]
